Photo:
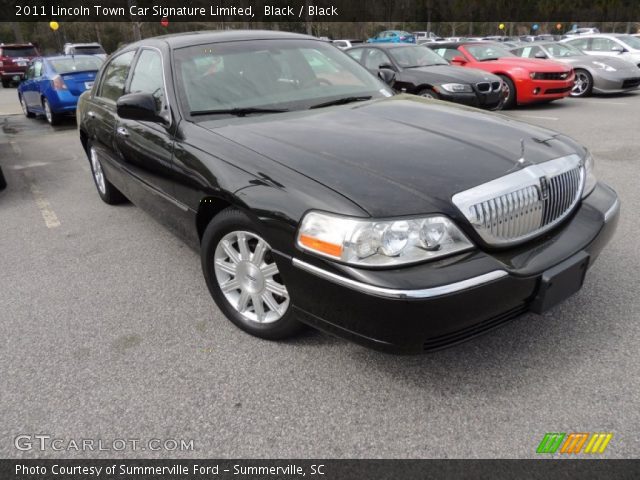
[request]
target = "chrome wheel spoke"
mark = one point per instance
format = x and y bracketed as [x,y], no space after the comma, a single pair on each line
[258,307]
[243,301]
[244,247]
[271,302]
[227,267]
[230,285]
[230,251]
[269,270]
[258,253]
[274,287]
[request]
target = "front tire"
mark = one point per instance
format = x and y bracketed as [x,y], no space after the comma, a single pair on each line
[428,93]
[108,193]
[583,85]
[510,99]
[243,278]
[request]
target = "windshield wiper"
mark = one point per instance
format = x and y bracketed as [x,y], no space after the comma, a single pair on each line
[240,112]
[342,101]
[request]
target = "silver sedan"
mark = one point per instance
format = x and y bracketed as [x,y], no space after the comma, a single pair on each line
[594,73]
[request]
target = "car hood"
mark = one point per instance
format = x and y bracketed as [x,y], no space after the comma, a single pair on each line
[587,62]
[398,156]
[533,64]
[448,73]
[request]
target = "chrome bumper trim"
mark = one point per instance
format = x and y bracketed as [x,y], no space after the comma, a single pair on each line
[394,293]
[613,210]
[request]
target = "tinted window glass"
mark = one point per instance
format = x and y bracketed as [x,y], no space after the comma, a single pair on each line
[285,74]
[581,43]
[355,54]
[448,53]
[14,52]
[115,76]
[602,44]
[487,52]
[89,50]
[37,69]
[416,56]
[75,64]
[147,76]
[374,58]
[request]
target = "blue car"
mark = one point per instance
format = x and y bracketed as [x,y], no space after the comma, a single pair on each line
[393,36]
[52,85]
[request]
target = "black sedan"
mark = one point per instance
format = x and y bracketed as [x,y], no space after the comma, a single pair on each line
[418,70]
[317,196]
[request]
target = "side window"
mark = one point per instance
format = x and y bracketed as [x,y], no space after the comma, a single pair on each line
[581,43]
[147,77]
[534,51]
[519,52]
[373,58]
[29,73]
[602,44]
[448,53]
[37,69]
[355,54]
[115,76]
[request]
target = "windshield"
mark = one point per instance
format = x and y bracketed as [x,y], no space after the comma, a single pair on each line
[89,50]
[416,56]
[15,52]
[274,74]
[633,42]
[75,64]
[558,50]
[487,52]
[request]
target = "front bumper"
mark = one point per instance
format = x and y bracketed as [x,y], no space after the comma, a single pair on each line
[616,82]
[532,91]
[473,99]
[434,305]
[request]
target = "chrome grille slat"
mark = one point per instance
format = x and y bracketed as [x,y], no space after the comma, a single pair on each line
[523,204]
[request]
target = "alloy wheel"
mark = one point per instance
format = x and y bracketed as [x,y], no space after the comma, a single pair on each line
[98,174]
[249,278]
[581,85]
[23,104]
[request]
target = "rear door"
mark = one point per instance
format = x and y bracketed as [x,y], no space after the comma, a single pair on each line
[100,117]
[32,89]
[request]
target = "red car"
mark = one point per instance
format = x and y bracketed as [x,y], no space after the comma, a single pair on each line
[14,60]
[527,80]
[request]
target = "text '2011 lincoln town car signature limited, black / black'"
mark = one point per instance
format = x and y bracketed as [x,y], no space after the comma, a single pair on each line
[317,196]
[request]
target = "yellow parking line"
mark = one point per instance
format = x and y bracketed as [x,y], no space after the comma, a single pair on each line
[49,216]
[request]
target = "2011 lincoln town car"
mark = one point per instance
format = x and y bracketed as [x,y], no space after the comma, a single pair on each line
[317,196]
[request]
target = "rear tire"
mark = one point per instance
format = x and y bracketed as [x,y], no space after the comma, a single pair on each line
[52,117]
[253,295]
[108,193]
[510,100]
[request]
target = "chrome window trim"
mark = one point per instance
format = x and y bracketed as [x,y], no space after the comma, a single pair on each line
[432,292]
[527,177]
[164,78]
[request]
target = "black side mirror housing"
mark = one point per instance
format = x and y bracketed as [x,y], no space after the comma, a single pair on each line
[540,55]
[138,106]
[387,76]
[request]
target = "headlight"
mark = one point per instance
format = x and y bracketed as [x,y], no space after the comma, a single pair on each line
[604,66]
[380,243]
[590,179]
[456,87]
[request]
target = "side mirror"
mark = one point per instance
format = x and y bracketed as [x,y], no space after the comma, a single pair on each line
[458,60]
[138,106]
[540,55]
[387,76]
[386,66]
[617,48]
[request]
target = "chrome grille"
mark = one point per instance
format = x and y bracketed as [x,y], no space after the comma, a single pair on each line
[525,203]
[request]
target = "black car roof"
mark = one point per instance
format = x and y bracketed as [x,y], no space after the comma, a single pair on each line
[179,40]
[387,45]
[456,44]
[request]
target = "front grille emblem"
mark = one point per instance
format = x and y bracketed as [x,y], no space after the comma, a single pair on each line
[544,188]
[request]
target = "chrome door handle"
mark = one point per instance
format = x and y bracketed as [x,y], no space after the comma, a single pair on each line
[91,114]
[122,132]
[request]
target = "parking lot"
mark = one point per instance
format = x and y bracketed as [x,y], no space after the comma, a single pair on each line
[109,332]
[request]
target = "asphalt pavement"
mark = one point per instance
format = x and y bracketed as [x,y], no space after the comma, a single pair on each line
[109,332]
